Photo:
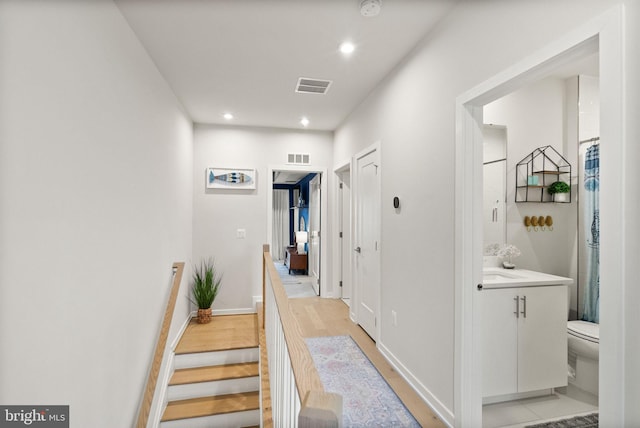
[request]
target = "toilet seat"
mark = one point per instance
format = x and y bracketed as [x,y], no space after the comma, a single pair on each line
[584,330]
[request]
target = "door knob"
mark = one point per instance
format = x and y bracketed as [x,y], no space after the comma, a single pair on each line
[357,250]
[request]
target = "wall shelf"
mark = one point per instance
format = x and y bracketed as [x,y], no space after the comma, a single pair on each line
[543,166]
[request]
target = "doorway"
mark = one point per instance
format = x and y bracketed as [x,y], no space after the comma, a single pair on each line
[290,177]
[604,38]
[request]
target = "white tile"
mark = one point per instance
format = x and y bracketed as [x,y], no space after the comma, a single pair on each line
[557,405]
[504,414]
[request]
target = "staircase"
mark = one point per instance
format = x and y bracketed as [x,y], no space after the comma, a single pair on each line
[216,380]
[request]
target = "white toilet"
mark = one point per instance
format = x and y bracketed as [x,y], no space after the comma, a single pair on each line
[584,344]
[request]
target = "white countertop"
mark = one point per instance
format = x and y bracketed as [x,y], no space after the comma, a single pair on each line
[496,277]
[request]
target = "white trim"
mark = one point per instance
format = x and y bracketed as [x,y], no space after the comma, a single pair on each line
[325,290]
[166,370]
[183,327]
[427,396]
[255,300]
[237,311]
[606,30]
[337,214]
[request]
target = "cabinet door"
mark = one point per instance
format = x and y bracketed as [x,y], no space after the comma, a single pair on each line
[542,338]
[499,342]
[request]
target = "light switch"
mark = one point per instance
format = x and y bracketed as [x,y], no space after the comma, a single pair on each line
[241,233]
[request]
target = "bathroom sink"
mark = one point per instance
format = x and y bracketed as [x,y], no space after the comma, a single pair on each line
[494,277]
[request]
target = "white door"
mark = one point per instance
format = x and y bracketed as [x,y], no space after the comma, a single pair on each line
[367,227]
[314,232]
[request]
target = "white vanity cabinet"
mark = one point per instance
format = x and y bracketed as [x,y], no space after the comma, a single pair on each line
[524,339]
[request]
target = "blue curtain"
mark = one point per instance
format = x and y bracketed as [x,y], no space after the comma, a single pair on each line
[592,225]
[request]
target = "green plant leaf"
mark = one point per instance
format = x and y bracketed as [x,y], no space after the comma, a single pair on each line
[206,284]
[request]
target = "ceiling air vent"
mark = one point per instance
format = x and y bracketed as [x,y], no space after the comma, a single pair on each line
[312,86]
[298,158]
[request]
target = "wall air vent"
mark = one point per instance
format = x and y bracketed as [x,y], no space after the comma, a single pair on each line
[312,86]
[298,158]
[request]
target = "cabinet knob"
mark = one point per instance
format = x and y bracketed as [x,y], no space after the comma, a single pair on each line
[479,286]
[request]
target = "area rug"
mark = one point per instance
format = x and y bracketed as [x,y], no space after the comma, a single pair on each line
[585,421]
[367,399]
[296,286]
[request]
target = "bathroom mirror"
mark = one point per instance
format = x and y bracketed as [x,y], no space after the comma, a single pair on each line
[494,183]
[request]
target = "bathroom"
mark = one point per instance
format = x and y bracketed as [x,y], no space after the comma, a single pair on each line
[559,111]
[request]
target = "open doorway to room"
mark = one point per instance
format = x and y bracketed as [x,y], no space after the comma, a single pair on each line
[540,127]
[602,39]
[295,219]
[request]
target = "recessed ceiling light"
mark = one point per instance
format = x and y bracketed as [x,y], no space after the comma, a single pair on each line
[304,122]
[347,48]
[227,116]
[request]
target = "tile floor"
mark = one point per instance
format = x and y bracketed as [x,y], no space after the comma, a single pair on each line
[565,402]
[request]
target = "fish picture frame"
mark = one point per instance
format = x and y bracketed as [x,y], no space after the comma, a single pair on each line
[229,178]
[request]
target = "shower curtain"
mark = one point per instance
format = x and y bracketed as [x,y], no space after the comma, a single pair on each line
[280,233]
[592,225]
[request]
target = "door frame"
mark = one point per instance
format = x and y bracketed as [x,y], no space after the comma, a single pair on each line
[355,305]
[603,34]
[310,251]
[347,239]
[324,269]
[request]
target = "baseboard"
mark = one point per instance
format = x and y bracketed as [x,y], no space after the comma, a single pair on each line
[255,301]
[161,391]
[166,370]
[436,405]
[238,311]
[183,327]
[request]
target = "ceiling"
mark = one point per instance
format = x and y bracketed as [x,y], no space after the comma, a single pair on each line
[288,177]
[246,56]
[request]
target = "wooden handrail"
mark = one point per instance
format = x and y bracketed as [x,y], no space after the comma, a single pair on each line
[319,408]
[152,378]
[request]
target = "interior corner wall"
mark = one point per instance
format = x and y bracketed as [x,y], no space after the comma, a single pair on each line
[412,114]
[220,213]
[95,206]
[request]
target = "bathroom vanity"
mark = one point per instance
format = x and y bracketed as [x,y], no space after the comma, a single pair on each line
[524,332]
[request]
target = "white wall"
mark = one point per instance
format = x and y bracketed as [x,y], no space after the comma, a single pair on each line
[95,206]
[413,115]
[534,117]
[218,214]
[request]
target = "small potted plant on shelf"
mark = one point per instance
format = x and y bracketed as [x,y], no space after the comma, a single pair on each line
[206,284]
[506,253]
[559,190]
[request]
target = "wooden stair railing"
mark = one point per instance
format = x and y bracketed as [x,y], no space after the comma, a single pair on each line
[152,378]
[297,395]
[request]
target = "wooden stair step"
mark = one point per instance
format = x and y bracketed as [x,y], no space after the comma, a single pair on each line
[214,373]
[224,332]
[209,406]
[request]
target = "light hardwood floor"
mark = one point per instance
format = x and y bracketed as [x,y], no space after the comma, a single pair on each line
[330,317]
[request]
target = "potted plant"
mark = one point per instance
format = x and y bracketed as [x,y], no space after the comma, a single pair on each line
[559,189]
[206,284]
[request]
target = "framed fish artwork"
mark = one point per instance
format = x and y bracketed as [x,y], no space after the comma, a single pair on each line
[226,178]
